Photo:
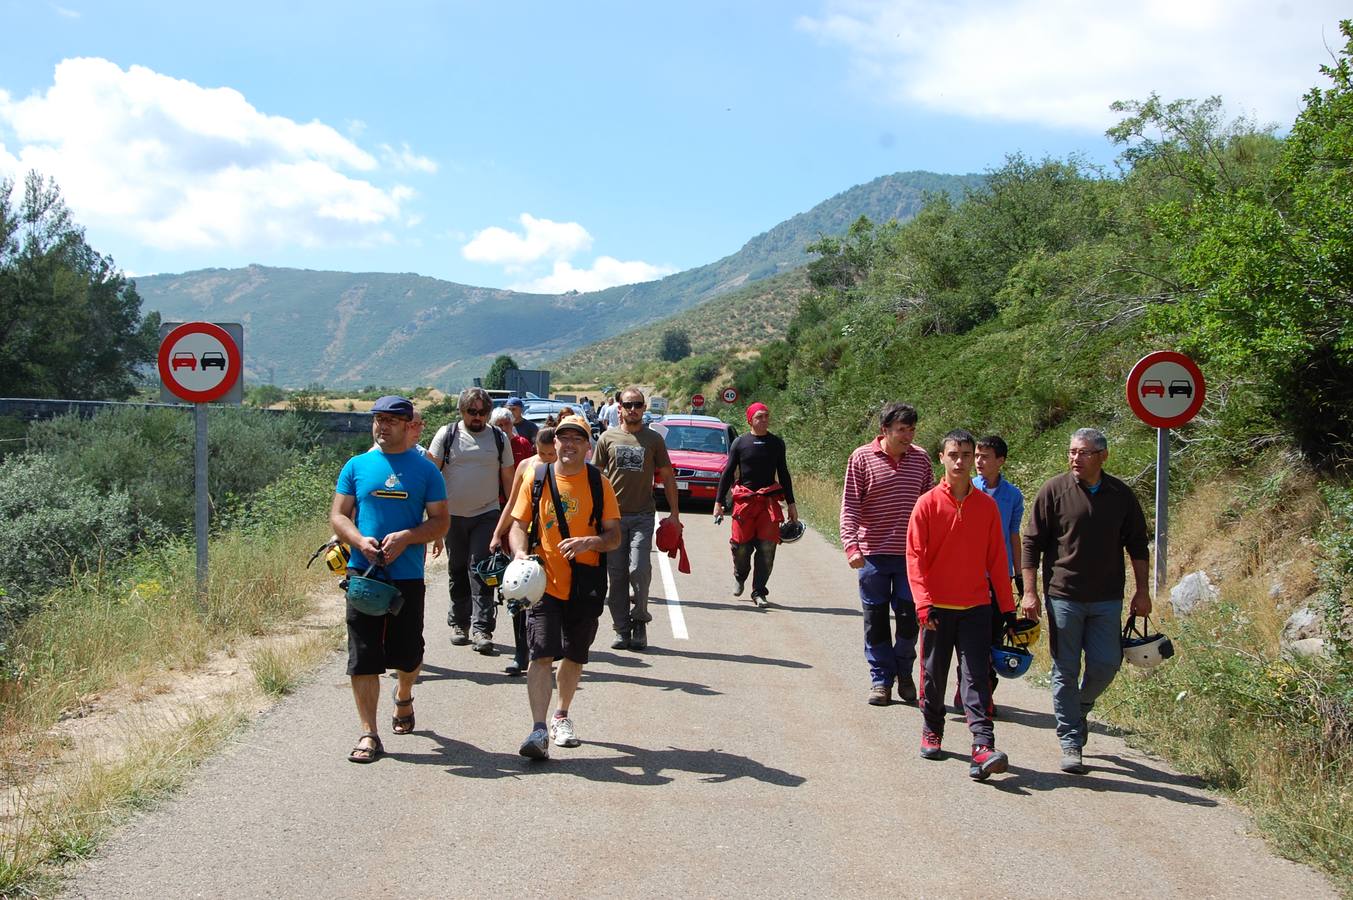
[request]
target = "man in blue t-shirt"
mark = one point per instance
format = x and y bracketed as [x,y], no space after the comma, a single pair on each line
[386,506]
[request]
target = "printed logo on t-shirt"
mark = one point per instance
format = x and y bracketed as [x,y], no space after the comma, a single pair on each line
[393,490]
[570,510]
[629,459]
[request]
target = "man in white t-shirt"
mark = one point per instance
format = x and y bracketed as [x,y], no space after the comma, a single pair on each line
[476,462]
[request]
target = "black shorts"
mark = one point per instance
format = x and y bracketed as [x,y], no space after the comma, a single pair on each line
[552,631]
[377,643]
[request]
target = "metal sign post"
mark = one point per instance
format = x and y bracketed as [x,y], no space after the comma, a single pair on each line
[1165,389]
[201,363]
[200,495]
[1162,507]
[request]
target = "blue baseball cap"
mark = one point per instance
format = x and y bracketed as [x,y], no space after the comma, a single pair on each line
[515,401]
[395,406]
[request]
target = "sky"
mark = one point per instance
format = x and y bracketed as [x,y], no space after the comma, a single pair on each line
[548,147]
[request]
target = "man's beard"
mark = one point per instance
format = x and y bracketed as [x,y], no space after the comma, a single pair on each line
[474,426]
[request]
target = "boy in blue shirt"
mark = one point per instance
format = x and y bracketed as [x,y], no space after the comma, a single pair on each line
[379,509]
[991,454]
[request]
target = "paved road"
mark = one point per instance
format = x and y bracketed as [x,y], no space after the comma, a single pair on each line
[741,761]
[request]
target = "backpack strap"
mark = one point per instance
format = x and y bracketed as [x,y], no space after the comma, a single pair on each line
[594,482]
[559,508]
[537,490]
[499,439]
[450,439]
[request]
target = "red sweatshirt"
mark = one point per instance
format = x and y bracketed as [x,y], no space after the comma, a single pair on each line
[953,548]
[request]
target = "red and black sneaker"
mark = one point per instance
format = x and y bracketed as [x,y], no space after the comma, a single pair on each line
[987,761]
[930,745]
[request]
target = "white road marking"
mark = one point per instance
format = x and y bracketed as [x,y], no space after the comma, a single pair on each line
[673,600]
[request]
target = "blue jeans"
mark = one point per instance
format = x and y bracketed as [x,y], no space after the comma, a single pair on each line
[1075,628]
[884,585]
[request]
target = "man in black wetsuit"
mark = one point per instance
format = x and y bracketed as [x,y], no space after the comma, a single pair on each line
[762,481]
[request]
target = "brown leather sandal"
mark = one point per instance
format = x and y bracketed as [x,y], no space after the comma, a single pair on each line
[370,754]
[401,724]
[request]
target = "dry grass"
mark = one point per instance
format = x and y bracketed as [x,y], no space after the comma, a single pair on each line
[107,662]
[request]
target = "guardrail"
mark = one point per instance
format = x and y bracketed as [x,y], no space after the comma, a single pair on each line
[338,424]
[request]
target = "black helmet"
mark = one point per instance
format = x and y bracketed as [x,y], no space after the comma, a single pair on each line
[790,532]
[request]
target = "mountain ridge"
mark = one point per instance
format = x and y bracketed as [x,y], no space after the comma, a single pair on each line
[307,326]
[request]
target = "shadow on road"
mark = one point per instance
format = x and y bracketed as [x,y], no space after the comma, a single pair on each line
[775,606]
[728,657]
[432,673]
[1132,778]
[633,765]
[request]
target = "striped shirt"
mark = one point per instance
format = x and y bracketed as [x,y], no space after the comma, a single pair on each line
[879,496]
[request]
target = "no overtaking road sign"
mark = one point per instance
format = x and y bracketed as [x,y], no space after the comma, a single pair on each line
[202,362]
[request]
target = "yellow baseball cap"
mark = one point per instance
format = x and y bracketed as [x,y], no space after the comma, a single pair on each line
[575,422]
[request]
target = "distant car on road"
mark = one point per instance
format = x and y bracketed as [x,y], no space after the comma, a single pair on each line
[213,359]
[698,446]
[183,360]
[1180,386]
[1153,386]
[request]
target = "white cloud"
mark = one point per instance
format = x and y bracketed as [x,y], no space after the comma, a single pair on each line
[175,165]
[405,160]
[65,13]
[606,272]
[540,239]
[1062,62]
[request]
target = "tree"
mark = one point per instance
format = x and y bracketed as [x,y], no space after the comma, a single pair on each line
[1267,261]
[70,322]
[676,345]
[496,379]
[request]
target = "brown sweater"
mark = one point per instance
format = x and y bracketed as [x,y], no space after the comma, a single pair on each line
[1082,536]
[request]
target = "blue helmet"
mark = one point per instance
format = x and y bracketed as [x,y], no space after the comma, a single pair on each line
[1011,661]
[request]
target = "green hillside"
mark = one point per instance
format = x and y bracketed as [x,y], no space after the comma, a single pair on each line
[742,319]
[350,329]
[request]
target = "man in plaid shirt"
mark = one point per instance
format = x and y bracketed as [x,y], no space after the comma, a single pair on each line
[884,478]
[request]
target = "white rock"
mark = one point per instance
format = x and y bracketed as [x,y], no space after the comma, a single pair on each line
[1303,624]
[1307,647]
[1194,590]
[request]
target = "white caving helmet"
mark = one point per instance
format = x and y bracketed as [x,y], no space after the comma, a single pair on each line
[524,580]
[1141,647]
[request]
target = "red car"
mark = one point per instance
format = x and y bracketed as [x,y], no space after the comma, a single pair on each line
[698,446]
[183,360]
[1153,386]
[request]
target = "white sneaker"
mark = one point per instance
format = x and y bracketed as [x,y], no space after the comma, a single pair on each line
[562,732]
[536,745]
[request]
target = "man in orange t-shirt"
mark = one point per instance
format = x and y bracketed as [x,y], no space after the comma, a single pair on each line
[564,624]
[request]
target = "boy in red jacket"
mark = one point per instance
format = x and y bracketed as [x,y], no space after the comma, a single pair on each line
[955,549]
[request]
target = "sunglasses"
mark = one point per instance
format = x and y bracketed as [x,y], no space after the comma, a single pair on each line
[633,404]
[476,412]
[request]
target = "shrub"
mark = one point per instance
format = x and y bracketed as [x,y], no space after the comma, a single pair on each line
[148,455]
[52,523]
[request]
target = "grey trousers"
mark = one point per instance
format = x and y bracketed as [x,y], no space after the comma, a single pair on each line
[630,570]
[467,542]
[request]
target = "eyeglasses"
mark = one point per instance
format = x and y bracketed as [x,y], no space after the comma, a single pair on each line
[1082,454]
[633,404]
[476,412]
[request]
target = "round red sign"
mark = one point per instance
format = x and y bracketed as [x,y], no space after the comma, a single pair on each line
[199,362]
[1166,389]
[730,395]
[698,400]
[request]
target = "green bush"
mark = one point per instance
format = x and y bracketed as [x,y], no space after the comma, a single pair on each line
[302,492]
[148,455]
[54,522]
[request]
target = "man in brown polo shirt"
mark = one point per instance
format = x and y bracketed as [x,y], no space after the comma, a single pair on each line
[1080,525]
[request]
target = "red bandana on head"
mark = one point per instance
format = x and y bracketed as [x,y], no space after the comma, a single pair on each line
[754,409]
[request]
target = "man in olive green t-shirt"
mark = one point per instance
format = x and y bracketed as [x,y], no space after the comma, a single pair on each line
[630,456]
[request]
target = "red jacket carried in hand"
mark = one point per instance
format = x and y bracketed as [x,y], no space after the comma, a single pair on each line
[955,549]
